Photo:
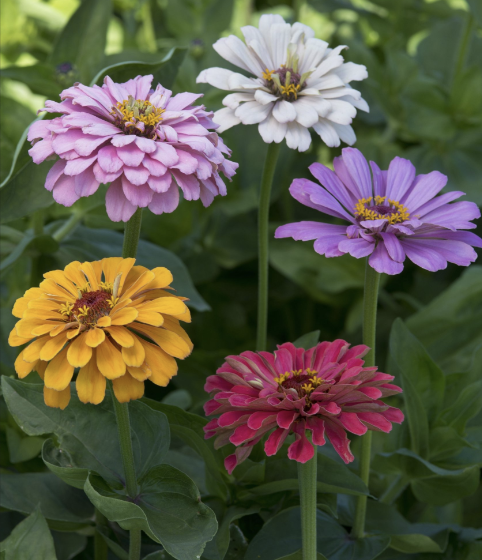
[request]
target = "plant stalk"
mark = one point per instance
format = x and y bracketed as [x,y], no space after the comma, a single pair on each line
[263,243]
[307,482]
[370,303]
[101,550]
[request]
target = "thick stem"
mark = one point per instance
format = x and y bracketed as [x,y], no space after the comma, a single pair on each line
[307,482]
[370,301]
[132,232]
[263,243]
[101,550]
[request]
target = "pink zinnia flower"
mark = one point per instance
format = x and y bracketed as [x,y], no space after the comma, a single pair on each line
[391,215]
[143,142]
[325,390]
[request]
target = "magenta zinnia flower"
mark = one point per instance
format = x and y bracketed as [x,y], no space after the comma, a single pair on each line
[143,142]
[325,390]
[395,214]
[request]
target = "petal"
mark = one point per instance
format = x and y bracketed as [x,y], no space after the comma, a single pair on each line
[53,347]
[79,353]
[134,355]
[126,388]
[381,261]
[109,360]
[122,336]
[90,384]
[59,372]
[94,337]
[57,399]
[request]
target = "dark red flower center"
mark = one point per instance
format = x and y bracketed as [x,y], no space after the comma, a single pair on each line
[304,383]
[92,306]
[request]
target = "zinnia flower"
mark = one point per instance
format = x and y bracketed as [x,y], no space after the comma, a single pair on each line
[124,327]
[299,83]
[392,216]
[325,390]
[142,141]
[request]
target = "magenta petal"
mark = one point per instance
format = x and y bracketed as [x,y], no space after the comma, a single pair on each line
[119,209]
[301,450]
[339,440]
[352,423]
[76,166]
[376,421]
[242,434]
[275,441]
[130,155]
[86,183]
[137,195]
[317,427]
[380,260]
[285,418]
[230,463]
[64,191]
[54,173]
[165,202]
[136,175]
[108,160]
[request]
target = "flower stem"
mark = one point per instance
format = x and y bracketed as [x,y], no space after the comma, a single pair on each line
[263,243]
[370,302]
[307,482]
[132,232]
[101,550]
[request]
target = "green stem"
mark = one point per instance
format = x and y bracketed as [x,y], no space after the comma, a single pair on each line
[101,550]
[464,46]
[68,226]
[307,482]
[370,302]
[132,232]
[263,243]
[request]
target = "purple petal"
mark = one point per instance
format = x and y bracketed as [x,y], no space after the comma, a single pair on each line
[307,231]
[64,191]
[136,175]
[379,180]
[130,155]
[454,216]
[437,202]
[424,188]
[380,260]
[359,171]
[393,246]
[166,202]
[54,173]
[401,174]
[328,245]
[76,166]
[423,254]
[137,195]
[455,252]
[117,206]
[465,236]
[86,183]
[312,195]
[108,160]
[182,100]
[357,248]
[333,185]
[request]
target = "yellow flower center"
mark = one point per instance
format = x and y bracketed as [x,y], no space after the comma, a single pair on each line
[304,382]
[131,112]
[394,212]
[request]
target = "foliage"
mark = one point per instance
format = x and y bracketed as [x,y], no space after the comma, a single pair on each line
[425,95]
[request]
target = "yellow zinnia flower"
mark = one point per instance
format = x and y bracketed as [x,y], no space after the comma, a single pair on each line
[109,318]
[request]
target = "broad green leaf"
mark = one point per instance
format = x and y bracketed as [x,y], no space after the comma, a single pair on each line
[25,192]
[195,20]
[164,70]
[308,340]
[30,539]
[21,447]
[58,501]
[40,78]
[467,404]
[422,381]
[80,448]
[82,41]
[93,244]
[168,509]
[115,547]
[441,490]
[450,326]
[281,536]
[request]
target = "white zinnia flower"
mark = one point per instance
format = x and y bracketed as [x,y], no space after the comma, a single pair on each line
[300,83]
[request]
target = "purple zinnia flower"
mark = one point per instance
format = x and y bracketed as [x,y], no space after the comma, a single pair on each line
[393,215]
[142,141]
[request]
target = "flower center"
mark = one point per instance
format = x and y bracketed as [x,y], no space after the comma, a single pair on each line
[285,82]
[90,306]
[394,212]
[137,116]
[303,382]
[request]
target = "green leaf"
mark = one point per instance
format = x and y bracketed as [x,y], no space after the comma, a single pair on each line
[20,447]
[93,244]
[82,41]
[40,78]
[281,536]
[115,547]
[164,71]
[43,243]
[25,192]
[467,404]
[450,326]
[308,340]
[168,509]
[298,555]
[80,448]
[30,539]
[58,501]
[441,490]
[422,381]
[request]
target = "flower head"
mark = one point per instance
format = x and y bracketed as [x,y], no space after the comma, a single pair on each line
[143,142]
[392,215]
[299,83]
[111,319]
[325,390]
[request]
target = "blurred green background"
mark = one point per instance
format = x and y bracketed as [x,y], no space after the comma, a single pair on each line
[424,60]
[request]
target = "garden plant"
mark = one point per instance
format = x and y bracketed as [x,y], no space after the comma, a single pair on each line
[241,308]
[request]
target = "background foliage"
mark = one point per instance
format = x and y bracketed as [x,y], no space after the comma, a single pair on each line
[424,60]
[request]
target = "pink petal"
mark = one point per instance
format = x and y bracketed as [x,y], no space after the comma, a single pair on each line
[64,191]
[138,195]
[351,422]
[165,202]
[54,173]
[104,177]
[301,450]
[41,150]
[108,159]
[117,206]
[147,145]
[86,183]
[136,175]
[76,166]
[275,441]
[189,185]
[130,155]
[161,184]
[166,154]
[154,167]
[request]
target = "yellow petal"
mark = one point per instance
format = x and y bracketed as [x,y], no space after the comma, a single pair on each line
[40,368]
[150,318]
[72,333]
[32,352]
[134,356]
[90,384]
[163,366]
[140,373]
[52,289]
[24,327]
[113,266]
[162,278]
[126,388]
[92,277]
[109,360]
[79,353]
[45,328]
[124,316]
[186,316]
[169,341]
[144,279]
[74,274]
[44,304]
[59,372]
[122,336]
[97,266]
[42,314]
[58,276]
[63,327]
[15,340]
[172,324]
[104,322]
[134,273]
[168,305]
[57,399]
[53,347]
[23,368]
[94,337]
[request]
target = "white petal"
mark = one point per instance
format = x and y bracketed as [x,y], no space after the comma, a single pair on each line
[313,54]
[328,64]
[234,99]
[306,114]
[351,71]
[343,93]
[271,130]
[309,91]
[327,133]
[279,38]
[298,29]
[217,77]
[341,112]
[358,103]
[297,137]
[284,111]
[226,119]
[252,112]
[265,23]
[255,41]
[235,51]
[321,105]
[238,81]
[264,97]
[345,132]
[328,81]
